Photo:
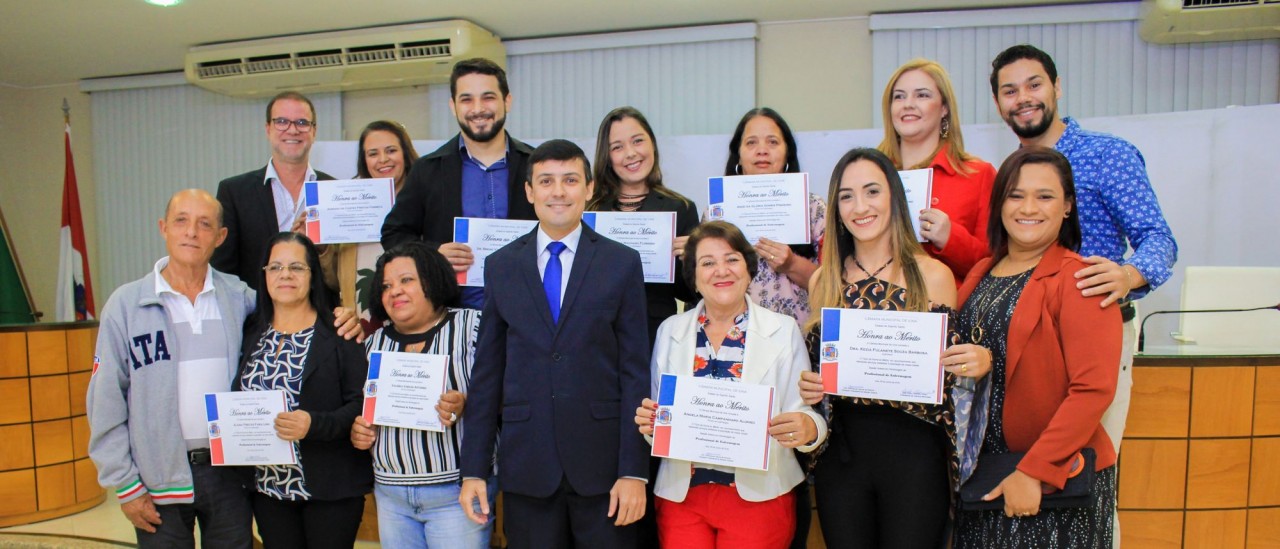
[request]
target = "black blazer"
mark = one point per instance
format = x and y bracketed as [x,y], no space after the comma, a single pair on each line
[249,214]
[432,195]
[563,394]
[333,393]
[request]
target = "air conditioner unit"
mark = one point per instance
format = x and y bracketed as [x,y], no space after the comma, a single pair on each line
[1178,21]
[379,57]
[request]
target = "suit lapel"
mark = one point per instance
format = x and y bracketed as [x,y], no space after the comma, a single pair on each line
[1029,310]
[264,202]
[761,354]
[527,265]
[580,271]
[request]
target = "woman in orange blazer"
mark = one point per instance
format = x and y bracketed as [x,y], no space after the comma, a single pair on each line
[1053,369]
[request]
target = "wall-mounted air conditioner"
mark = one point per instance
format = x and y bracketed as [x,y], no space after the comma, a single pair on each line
[1177,21]
[379,57]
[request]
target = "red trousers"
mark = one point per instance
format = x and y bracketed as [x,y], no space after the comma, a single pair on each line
[714,516]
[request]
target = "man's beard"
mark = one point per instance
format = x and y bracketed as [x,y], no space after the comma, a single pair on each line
[1035,130]
[487,136]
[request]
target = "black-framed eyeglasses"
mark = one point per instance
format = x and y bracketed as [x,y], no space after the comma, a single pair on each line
[277,268]
[282,124]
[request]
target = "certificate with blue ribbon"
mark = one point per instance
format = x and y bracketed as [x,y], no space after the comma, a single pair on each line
[242,428]
[485,236]
[774,206]
[886,355]
[649,233]
[714,422]
[348,210]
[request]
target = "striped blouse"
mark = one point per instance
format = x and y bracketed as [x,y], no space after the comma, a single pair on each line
[409,457]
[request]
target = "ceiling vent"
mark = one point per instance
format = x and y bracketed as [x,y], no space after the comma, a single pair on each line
[1178,21]
[380,57]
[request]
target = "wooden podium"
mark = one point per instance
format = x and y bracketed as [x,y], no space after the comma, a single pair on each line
[1200,461]
[45,470]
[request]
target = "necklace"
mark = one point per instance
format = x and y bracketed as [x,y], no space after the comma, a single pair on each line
[630,202]
[975,333]
[869,273]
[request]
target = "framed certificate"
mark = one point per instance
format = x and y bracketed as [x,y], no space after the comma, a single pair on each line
[650,233]
[774,206]
[712,421]
[485,236]
[347,210]
[918,185]
[403,388]
[887,355]
[242,428]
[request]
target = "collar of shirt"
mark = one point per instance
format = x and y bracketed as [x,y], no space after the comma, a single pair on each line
[273,175]
[462,146]
[570,241]
[180,308]
[941,162]
[739,321]
[1070,136]
[163,287]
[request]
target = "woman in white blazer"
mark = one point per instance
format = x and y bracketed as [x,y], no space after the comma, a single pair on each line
[729,338]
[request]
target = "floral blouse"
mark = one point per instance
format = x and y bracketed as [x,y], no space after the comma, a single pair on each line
[725,363]
[277,366]
[776,292]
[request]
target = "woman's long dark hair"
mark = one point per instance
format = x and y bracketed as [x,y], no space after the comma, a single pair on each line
[1069,235]
[317,292]
[402,135]
[608,184]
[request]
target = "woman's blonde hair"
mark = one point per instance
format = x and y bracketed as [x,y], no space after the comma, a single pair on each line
[827,290]
[953,140]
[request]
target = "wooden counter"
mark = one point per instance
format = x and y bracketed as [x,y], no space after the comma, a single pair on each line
[45,470]
[1200,461]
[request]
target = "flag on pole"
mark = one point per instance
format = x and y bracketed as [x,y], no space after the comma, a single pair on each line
[75,291]
[15,300]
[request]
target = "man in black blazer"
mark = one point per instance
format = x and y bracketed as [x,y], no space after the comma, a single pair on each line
[561,360]
[268,200]
[478,173]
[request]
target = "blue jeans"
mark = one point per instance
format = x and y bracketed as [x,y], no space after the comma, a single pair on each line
[428,515]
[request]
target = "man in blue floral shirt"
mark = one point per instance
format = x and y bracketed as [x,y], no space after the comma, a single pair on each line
[1115,201]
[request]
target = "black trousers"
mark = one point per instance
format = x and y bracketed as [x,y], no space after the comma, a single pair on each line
[564,520]
[307,524]
[882,481]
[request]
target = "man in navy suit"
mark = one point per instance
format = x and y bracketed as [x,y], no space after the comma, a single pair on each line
[561,360]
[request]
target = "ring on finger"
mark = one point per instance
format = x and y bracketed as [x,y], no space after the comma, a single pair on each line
[964,367]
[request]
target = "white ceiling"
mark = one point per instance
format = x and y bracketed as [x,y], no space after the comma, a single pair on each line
[49,42]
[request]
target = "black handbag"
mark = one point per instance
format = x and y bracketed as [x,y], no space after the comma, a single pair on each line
[992,469]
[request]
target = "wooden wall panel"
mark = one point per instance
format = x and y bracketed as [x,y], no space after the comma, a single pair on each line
[16,452]
[1264,529]
[1160,404]
[80,437]
[1266,403]
[1153,474]
[1151,529]
[13,354]
[79,383]
[87,486]
[50,398]
[53,441]
[15,401]
[1222,402]
[55,486]
[1218,529]
[1264,480]
[46,352]
[80,349]
[1218,474]
[18,492]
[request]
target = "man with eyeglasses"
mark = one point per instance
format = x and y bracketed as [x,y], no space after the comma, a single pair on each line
[164,341]
[258,204]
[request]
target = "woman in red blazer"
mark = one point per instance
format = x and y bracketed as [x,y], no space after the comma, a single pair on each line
[1053,370]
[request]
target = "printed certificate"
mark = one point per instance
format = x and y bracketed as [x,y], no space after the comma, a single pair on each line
[403,388]
[887,355]
[918,185]
[650,233]
[713,421]
[347,210]
[242,428]
[485,236]
[774,206]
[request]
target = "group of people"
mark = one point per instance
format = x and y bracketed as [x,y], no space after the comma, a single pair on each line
[553,365]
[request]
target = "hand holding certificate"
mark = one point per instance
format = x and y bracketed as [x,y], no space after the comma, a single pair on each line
[887,355]
[650,233]
[773,206]
[918,186]
[349,210]
[403,388]
[713,422]
[242,428]
[485,236]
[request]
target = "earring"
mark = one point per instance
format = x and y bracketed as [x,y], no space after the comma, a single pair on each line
[737,169]
[946,127]
[786,167]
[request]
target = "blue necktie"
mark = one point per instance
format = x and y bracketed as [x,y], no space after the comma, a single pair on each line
[551,279]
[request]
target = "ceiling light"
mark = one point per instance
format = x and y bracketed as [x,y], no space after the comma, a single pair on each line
[163,3]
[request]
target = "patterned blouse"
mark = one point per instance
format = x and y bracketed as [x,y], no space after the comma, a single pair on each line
[276,365]
[778,293]
[725,363]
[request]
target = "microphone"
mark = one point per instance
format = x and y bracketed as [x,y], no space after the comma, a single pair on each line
[1143,326]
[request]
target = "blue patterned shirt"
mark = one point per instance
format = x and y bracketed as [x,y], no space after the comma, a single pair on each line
[1117,205]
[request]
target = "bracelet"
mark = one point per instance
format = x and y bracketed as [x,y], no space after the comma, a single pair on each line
[1128,278]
